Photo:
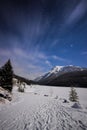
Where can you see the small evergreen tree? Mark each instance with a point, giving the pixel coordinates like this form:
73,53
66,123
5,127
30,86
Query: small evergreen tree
21,88
7,76
73,95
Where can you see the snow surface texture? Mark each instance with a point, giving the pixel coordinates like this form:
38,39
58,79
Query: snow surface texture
42,108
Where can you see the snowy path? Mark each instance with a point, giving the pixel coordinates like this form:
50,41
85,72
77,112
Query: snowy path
35,112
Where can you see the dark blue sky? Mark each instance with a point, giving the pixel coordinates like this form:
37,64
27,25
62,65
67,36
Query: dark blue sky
40,34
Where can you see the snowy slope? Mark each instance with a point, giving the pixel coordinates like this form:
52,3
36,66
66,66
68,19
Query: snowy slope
58,70
54,70
34,111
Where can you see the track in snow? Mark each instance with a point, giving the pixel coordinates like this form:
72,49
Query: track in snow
35,112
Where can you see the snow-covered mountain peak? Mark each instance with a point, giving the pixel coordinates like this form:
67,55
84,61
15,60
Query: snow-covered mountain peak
56,69
71,68
67,68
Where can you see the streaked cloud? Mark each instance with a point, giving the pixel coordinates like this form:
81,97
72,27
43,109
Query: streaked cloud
33,34
60,59
20,52
77,13
26,63
4,52
84,53
48,63
55,42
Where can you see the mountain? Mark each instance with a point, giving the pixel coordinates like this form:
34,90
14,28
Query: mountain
75,78
64,76
58,70
22,79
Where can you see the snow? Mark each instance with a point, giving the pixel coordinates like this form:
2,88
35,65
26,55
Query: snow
58,70
34,111
76,105
68,68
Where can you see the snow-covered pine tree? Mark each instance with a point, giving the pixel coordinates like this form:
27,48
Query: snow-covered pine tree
73,95
7,76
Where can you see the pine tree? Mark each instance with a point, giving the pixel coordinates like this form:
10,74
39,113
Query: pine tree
7,76
73,95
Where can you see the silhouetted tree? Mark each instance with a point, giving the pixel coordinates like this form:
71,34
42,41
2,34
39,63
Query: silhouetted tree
6,76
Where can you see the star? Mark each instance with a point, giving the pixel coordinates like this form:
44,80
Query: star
71,45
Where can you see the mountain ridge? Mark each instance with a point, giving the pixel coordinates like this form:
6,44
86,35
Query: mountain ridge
57,70
60,75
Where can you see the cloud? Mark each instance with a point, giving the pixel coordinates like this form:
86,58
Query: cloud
27,29
20,52
60,59
42,56
32,66
25,63
33,62
48,63
55,57
35,67
84,53
77,13
29,71
33,54
54,43
5,52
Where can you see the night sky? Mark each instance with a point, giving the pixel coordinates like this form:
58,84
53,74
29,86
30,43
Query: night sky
40,34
